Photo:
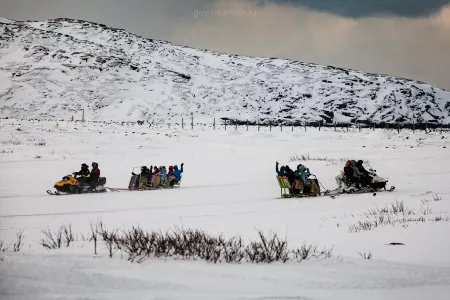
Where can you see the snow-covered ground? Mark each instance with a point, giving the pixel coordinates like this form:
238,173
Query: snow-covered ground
228,187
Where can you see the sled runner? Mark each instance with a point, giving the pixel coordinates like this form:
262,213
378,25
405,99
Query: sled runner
71,185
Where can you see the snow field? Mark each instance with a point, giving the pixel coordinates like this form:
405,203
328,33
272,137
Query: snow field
228,187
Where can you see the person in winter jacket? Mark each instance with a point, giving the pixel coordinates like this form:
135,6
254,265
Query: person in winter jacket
361,168
177,173
95,174
156,180
367,179
163,174
302,173
350,174
286,172
291,178
170,177
355,169
281,171
84,174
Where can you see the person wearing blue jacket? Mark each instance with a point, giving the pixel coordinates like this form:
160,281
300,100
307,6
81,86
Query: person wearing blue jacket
303,173
177,174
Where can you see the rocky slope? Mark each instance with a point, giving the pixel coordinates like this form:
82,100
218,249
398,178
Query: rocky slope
53,69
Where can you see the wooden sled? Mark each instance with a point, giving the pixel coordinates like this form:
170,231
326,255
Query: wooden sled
285,186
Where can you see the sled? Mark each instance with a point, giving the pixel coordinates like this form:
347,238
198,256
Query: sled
140,183
284,184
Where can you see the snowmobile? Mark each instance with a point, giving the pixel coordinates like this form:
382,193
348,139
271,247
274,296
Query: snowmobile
376,184
70,184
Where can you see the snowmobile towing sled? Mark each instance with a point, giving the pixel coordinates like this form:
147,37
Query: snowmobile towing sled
345,186
72,185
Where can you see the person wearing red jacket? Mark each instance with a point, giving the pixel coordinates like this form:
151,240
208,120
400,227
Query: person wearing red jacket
95,173
156,180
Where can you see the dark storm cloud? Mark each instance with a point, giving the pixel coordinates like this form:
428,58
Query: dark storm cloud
364,8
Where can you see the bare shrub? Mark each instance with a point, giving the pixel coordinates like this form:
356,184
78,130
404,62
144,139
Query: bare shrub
93,236
68,235
3,248
11,140
437,198
365,255
303,157
110,238
267,249
39,142
52,240
196,244
394,214
6,151
307,251
18,243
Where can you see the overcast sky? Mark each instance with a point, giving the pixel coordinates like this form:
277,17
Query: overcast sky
407,38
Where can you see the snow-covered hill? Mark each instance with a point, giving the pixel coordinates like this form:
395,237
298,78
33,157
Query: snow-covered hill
53,69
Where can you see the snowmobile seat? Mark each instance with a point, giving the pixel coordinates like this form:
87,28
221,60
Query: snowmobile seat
101,181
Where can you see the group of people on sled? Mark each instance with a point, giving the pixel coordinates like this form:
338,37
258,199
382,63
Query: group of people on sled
356,174
155,177
86,177
299,180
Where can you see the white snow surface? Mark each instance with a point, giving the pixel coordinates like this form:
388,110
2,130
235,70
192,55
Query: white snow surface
228,187
60,66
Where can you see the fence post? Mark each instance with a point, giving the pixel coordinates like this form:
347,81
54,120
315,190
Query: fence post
235,125
348,125
225,124
426,125
373,126
292,127
398,127
442,124
247,124
270,125
192,122
359,126
305,125
414,127
334,125
320,123
281,127
258,124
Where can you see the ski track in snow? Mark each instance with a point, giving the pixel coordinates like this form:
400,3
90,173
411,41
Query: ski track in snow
228,187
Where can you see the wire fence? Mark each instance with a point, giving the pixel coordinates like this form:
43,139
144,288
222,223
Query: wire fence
230,124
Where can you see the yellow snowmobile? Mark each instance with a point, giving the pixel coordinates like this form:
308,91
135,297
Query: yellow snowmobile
70,185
